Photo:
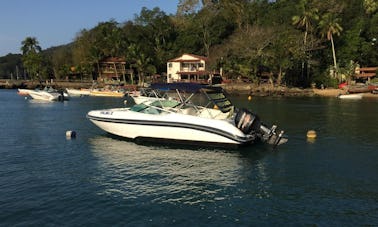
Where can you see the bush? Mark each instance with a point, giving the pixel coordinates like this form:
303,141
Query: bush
327,81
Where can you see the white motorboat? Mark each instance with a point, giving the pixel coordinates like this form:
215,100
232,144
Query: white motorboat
213,120
146,94
78,92
24,92
351,96
48,94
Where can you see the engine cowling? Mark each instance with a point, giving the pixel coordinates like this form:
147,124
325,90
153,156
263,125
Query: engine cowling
247,121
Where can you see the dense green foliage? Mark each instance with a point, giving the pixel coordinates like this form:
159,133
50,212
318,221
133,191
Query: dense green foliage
295,42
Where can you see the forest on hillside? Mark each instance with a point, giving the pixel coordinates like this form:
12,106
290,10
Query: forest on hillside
292,42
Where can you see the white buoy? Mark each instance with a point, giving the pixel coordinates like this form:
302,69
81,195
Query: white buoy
70,134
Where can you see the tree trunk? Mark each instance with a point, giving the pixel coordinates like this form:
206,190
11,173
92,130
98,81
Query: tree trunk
334,57
279,78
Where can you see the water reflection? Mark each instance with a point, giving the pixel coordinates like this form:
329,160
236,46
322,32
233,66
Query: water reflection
171,175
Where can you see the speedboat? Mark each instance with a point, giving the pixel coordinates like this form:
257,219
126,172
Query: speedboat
23,92
48,94
146,94
204,116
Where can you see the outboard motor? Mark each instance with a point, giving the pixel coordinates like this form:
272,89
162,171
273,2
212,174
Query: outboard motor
250,123
247,121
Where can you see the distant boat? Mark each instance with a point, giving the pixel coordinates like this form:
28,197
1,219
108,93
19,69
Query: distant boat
47,94
78,92
107,93
351,96
24,92
146,94
355,89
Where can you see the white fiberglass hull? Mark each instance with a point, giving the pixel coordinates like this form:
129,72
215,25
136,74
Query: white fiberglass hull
169,126
78,92
351,96
45,96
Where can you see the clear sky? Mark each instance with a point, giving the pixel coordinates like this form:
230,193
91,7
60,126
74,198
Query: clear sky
56,22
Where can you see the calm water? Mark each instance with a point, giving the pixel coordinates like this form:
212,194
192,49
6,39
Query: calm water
46,179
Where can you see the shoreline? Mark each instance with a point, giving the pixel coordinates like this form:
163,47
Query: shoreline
282,91
234,89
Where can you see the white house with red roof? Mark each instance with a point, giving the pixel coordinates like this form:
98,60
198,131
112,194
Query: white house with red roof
187,68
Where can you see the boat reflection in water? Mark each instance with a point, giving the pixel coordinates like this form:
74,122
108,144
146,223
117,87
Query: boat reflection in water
174,175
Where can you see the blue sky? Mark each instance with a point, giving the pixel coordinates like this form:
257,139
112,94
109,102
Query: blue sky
56,22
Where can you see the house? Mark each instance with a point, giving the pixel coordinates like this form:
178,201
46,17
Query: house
112,68
187,68
365,73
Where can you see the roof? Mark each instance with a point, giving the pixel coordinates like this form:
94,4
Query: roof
113,59
181,59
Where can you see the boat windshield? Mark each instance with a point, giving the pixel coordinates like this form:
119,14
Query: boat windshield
155,107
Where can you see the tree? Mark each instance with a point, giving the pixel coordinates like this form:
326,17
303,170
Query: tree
158,32
309,15
330,25
141,62
371,6
31,57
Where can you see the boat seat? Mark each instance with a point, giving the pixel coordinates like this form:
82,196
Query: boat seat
189,111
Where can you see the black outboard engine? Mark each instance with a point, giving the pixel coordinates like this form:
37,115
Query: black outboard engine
247,121
250,123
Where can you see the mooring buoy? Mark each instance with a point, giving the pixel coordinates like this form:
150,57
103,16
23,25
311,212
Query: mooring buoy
311,134
70,134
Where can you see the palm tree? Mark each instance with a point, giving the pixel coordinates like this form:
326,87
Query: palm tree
30,44
330,25
305,20
308,15
140,61
31,59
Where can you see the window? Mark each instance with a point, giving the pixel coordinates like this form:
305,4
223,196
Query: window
170,65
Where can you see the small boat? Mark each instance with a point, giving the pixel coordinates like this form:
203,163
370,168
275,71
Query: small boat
206,116
78,92
107,93
351,96
146,94
48,94
24,92
358,89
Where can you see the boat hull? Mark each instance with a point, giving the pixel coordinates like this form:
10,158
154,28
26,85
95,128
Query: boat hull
24,92
351,96
170,127
45,96
78,92
107,94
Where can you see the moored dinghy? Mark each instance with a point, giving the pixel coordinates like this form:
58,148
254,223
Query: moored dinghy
351,96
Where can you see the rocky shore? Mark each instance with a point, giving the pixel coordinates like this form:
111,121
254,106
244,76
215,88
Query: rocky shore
234,88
